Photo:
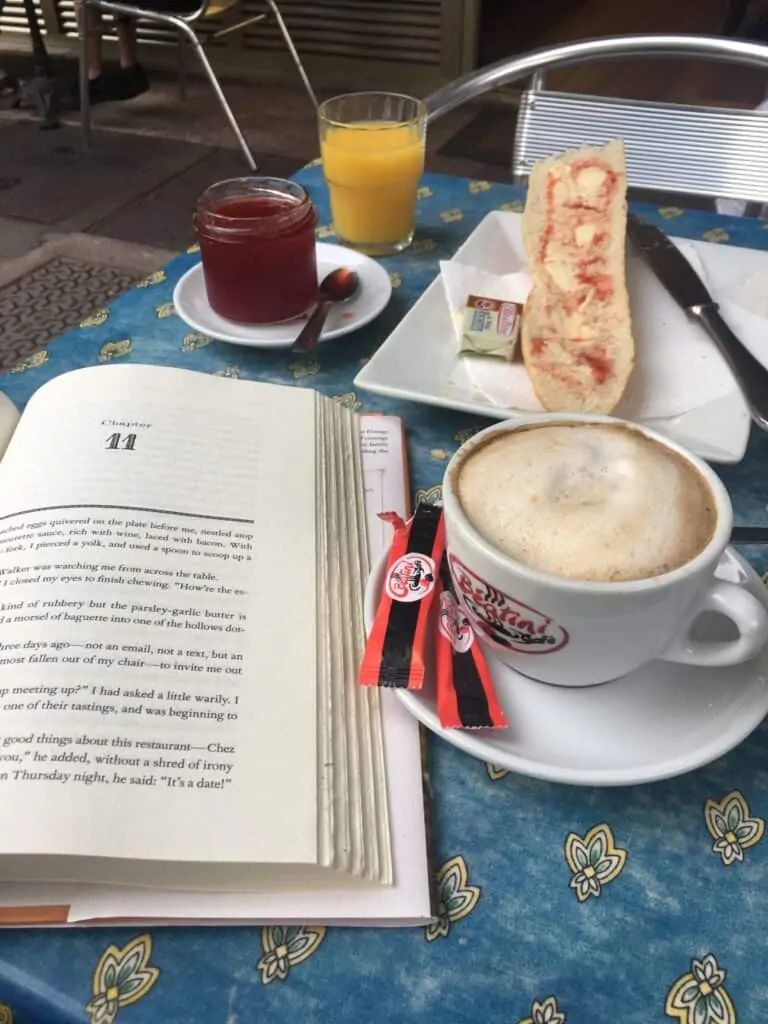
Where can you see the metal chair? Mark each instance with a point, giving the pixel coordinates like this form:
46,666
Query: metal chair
42,91
184,26
706,151
737,11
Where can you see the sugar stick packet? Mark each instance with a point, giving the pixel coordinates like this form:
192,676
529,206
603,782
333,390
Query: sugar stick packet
394,653
465,694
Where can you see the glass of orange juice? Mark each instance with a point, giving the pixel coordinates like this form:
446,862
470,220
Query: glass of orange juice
372,148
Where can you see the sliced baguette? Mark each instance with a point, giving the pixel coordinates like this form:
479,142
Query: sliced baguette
576,334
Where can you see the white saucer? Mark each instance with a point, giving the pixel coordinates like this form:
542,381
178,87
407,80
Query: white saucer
660,721
191,302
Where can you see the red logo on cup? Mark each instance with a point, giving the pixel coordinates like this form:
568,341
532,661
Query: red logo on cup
454,624
504,620
411,578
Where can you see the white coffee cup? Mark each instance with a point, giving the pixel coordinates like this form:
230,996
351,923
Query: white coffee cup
578,633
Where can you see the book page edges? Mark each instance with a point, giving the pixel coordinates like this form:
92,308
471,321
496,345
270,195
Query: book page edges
184,876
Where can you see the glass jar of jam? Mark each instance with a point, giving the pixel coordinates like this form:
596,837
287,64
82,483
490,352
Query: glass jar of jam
257,243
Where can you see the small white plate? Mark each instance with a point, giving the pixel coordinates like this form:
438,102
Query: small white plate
191,302
419,360
660,721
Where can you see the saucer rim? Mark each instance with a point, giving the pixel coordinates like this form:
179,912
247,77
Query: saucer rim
250,339
475,744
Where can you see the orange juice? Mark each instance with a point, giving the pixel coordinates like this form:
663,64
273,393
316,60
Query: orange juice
372,169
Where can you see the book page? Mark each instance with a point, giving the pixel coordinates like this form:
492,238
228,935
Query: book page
155,526
9,418
406,902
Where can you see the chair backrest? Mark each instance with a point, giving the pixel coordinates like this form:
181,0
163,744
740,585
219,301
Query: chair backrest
670,147
708,151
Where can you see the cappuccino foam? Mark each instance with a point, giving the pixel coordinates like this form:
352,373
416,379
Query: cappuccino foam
597,502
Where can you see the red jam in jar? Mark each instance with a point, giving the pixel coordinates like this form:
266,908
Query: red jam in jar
257,243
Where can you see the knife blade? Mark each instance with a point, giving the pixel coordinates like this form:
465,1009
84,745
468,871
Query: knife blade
749,535
687,289
668,263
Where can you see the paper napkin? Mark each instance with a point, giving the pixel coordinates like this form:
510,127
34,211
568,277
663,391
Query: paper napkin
461,280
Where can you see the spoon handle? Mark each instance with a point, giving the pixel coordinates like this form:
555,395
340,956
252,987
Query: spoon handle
310,332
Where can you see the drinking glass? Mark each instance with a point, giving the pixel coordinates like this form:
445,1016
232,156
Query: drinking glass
372,148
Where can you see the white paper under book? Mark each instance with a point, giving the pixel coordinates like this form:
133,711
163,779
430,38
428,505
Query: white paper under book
182,560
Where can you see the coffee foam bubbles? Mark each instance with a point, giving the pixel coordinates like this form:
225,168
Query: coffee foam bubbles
587,501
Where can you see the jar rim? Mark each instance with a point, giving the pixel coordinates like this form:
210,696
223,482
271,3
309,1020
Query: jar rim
231,189
294,207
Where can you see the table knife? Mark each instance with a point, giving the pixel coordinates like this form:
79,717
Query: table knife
689,291
749,535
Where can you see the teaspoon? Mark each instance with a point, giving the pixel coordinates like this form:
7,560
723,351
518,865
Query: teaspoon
338,286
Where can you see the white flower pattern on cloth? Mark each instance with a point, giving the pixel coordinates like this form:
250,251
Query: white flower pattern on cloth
122,976
96,319
457,897
546,1012
192,342
348,401
285,947
157,278
115,349
594,861
699,996
732,827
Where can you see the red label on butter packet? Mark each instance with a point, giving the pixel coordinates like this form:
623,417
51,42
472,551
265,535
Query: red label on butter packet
394,653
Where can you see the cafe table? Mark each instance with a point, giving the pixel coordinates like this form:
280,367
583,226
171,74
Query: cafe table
557,904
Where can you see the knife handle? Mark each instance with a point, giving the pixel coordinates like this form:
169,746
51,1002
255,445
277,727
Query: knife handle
749,535
751,375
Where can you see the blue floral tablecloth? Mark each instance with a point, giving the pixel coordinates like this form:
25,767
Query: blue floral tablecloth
559,905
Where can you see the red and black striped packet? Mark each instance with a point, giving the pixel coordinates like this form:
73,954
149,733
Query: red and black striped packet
394,653
465,694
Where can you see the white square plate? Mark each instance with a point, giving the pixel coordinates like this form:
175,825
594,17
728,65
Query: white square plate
419,360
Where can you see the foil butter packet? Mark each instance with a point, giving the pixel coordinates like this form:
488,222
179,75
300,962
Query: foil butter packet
490,327
486,307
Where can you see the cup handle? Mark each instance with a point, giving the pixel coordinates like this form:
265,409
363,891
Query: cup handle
744,610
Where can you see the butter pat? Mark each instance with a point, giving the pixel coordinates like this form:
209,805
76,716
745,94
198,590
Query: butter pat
464,284
490,327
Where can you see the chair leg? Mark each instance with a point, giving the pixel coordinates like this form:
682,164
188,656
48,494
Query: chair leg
202,56
737,10
85,103
293,51
181,68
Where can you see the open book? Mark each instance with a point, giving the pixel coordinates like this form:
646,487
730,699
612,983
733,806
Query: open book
182,559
